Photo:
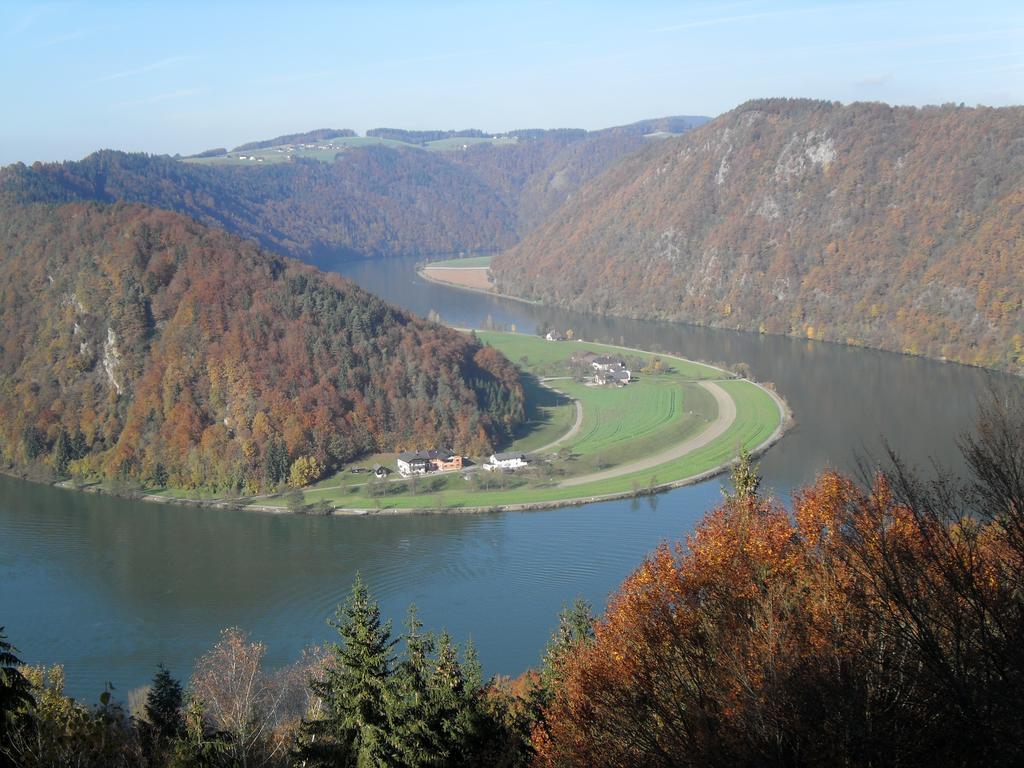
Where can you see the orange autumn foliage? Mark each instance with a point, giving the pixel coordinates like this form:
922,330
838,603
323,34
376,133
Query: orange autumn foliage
858,628
153,348
866,224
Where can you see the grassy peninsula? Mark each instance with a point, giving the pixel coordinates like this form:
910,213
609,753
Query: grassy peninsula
677,422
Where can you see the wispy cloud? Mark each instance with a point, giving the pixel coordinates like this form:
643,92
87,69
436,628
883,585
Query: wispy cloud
26,21
742,18
968,59
723,20
68,37
151,67
182,93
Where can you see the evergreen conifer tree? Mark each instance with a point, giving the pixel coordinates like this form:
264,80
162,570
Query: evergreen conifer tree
351,726
197,747
471,668
412,731
15,692
451,711
62,453
164,705
575,625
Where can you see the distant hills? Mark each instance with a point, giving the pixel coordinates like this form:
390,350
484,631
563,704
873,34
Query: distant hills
393,199
138,343
890,227
372,202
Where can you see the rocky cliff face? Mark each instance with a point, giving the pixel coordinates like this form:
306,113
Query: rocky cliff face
137,343
867,224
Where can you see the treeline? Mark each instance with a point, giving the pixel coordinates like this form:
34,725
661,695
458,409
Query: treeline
138,344
320,134
422,137
370,699
872,624
889,227
215,152
877,625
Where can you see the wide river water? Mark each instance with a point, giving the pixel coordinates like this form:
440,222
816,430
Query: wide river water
110,588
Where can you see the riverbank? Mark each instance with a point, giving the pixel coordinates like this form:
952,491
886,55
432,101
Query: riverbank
535,506
474,279
614,443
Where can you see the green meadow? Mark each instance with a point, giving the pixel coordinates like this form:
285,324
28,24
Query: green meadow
620,427
278,154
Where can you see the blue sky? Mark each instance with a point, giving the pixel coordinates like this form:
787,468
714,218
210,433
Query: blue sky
182,77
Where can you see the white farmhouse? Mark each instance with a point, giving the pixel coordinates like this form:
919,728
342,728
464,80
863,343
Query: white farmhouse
508,460
413,463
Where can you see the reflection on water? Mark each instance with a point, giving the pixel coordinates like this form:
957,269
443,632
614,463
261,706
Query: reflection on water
112,587
844,398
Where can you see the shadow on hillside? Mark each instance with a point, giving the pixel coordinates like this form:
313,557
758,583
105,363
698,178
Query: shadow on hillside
538,398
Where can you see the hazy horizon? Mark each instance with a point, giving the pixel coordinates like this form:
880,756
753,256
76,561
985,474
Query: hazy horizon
180,79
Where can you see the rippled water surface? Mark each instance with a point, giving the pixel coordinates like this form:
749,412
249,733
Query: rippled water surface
110,587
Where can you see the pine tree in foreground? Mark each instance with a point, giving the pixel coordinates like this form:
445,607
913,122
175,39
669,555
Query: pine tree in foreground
164,705
15,693
412,733
350,726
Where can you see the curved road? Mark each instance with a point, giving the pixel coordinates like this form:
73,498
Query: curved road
726,416
572,430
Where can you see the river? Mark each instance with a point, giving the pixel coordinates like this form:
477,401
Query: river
110,587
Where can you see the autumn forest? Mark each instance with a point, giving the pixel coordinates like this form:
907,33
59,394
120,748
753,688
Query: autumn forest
139,344
164,325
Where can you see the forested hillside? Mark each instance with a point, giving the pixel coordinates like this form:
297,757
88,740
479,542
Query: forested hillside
368,202
545,168
139,343
373,201
898,228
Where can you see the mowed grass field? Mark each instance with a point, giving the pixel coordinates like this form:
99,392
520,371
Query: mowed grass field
624,424
542,356
620,426
339,144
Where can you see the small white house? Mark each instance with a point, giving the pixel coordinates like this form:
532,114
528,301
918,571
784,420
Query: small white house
508,460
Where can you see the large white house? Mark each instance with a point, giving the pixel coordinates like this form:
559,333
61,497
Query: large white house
413,463
508,460
421,462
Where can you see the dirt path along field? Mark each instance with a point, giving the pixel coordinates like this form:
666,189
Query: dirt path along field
726,416
573,430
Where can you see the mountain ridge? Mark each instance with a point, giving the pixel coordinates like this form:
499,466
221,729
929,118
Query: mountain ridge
138,343
891,227
370,201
